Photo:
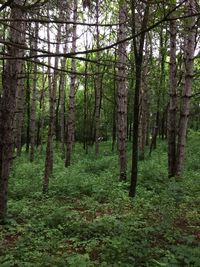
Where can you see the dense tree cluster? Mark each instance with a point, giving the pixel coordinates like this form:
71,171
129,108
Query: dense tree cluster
88,71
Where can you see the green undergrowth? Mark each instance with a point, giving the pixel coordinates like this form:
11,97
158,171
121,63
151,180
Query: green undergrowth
87,218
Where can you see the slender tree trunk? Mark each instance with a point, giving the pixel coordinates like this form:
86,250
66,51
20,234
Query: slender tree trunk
85,124
62,103
189,49
19,111
173,102
71,109
97,86
114,126
63,83
42,118
33,101
57,115
138,65
143,112
12,72
28,108
52,98
122,94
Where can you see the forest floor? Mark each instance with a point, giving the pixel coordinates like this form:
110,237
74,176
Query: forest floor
87,219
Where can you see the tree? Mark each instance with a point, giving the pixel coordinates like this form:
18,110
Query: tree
33,99
122,92
12,73
52,98
189,49
138,44
173,101
71,108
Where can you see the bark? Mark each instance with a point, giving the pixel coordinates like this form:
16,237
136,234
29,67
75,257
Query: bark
114,126
71,108
62,92
19,111
172,102
122,95
11,75
138,51
28,108
62,106
189,49
143,112
51,131
97,86
33,101
85,121
57,113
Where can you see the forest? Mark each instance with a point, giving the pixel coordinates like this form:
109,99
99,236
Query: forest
99,133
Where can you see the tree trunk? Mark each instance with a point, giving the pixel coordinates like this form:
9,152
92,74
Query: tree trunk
122,94
52,98
28,108
97,85
85,120
19,111
172,102
71,109
143,112
138,66
114,126
189,48
33,101
12,72
62,86
62,103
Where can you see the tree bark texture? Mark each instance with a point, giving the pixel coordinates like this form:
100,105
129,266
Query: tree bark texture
189,49
71,108
19,113
172,102
28,108
122,94
143,112
97,83
12,73
51,131
33,100
138,52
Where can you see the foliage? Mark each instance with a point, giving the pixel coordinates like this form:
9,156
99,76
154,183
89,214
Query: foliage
88,220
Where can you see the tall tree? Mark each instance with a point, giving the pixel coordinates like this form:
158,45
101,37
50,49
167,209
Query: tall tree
52,98
172,101
19,108
138,44
189,49
122,92
12,73
71,108
97,83
33,98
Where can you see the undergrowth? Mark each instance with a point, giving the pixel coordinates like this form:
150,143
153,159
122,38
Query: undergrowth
87,218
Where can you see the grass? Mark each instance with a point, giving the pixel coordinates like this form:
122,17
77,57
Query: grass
87,219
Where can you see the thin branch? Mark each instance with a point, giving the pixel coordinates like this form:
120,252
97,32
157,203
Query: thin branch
57,21
71,54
